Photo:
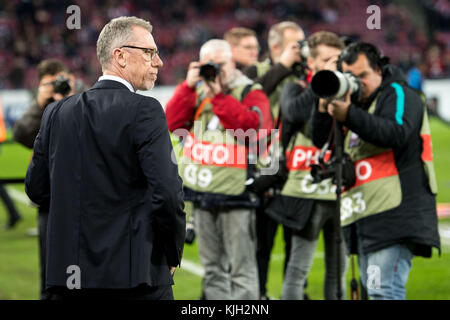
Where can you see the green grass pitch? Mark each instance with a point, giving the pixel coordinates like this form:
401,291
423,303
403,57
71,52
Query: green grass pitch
19,272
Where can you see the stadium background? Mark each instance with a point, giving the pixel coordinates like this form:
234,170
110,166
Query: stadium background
414,33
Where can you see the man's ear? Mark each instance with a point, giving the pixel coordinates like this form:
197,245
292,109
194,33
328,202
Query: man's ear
119,57
275,50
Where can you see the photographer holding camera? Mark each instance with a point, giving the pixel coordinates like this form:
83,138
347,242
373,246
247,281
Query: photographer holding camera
391,209
55,83
281,67
305,206
214,98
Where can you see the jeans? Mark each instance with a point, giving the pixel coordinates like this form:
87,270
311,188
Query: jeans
384,273
227,246
302,255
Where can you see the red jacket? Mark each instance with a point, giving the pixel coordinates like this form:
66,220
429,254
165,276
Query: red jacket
232,113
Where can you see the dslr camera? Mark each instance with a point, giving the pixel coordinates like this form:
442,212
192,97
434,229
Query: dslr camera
209,71
325,170
61,85
334,85
299,68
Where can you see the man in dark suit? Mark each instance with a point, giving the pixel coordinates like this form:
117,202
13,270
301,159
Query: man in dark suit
102,161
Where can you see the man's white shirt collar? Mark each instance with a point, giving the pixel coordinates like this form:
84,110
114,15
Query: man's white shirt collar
119,79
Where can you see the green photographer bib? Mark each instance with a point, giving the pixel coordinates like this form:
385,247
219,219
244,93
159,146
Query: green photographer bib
261,69
213,161
377,188
299,184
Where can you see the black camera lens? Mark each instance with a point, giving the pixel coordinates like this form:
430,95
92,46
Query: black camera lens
209,71
61,85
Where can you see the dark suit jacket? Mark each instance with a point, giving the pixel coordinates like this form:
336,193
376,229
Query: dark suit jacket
102,159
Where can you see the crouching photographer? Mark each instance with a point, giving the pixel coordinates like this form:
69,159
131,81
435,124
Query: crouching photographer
215,99
305,206
391,209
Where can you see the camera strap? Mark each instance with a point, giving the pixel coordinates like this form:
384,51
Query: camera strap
199,110
327,144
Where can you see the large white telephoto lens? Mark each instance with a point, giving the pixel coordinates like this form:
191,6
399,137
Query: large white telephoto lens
334,84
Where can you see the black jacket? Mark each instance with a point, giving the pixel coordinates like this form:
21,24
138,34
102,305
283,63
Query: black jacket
102,159
414,222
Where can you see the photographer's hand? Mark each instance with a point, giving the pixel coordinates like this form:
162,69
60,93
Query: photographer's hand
212,88
290,55
331,64
193,76
338,109
45,94
323,105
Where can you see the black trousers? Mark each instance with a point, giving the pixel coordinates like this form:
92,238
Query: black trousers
10,207
142,292
266,229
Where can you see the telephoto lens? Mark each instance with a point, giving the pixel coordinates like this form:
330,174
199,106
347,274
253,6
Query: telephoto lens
334,84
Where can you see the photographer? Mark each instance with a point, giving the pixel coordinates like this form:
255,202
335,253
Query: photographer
307,207
283,64
244,46
391,210
54,85
214,98
281,67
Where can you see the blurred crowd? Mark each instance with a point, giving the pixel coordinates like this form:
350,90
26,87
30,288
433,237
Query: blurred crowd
32,30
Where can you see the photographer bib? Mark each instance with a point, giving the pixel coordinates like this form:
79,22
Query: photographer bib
377,188
299,183
213,160
261,69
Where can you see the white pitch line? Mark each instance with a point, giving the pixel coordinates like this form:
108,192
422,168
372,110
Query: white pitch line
192,267
18,195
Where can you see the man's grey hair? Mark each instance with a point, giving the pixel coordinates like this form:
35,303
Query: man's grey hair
215,45
117,33
276,32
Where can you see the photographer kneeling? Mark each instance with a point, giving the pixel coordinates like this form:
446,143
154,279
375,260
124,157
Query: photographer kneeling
305,206
214,98
392,208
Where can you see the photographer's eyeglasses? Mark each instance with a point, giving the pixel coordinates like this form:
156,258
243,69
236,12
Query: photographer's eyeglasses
150,53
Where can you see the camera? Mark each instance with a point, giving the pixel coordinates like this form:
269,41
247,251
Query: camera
304,49
299,68
325,170
61,85
259,184
334,85
209,71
